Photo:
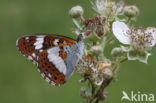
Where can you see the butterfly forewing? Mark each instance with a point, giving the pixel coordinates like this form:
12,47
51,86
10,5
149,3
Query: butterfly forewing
49,53
27,48
31,46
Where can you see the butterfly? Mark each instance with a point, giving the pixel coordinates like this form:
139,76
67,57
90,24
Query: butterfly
55,56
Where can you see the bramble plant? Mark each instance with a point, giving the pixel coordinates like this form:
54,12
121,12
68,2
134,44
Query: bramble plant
111,22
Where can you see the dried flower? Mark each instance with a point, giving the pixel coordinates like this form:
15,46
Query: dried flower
89,24
100,30
96,25
107,73
76,11
85,92
89,57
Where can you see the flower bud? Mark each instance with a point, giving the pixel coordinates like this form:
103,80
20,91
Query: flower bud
116,52
93,38
131,11
95,25
96,50
107,73
76,11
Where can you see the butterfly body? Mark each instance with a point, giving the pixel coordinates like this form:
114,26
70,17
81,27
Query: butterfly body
56,56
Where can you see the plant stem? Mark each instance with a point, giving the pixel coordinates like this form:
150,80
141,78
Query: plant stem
100,94
93,90
116,63
97,101
82,18
109,40
123,60
76,24
128,20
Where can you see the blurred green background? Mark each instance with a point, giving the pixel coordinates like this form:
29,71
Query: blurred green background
20,82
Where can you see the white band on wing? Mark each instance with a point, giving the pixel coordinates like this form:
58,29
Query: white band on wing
53,56
39,43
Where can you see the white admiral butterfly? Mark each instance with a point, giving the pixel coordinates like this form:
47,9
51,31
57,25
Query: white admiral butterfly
56,56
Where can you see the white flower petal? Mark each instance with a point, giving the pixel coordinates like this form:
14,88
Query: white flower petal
152,31
120,30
